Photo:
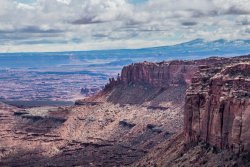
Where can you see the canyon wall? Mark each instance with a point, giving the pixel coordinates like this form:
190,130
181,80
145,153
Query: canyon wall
167,73
157,84
161,82
217,102
162,74
217,106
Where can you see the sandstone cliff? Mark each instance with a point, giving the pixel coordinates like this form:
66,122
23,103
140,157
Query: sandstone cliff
97,132
161,82
217,107
162,74
167,73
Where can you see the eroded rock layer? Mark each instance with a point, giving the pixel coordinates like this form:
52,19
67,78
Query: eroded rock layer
217,107
170,73
138,120
159,74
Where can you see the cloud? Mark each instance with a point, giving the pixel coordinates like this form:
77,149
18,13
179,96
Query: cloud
100,35
43,41
189,23
86,20
64,1
35,29
67,23
233,10
243,20
99,11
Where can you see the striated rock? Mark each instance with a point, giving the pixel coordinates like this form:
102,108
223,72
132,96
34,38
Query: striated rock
157,84
144,129
217,107
162,74
167,73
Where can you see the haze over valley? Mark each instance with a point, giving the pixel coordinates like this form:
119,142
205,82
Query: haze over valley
60,76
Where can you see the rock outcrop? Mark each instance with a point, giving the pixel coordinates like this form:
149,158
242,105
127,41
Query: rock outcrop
162,74
145,129
217,107
167,73
158,83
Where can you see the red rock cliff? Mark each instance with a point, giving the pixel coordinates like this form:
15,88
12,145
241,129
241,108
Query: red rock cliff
161,74
169,73
217,107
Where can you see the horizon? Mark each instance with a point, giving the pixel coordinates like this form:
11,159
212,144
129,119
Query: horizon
129,49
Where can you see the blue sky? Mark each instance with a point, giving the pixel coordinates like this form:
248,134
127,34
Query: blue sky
58,25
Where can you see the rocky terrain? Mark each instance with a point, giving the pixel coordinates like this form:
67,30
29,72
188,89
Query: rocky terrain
216,126
100,135
138,120
217,108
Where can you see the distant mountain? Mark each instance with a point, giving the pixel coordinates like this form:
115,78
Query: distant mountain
194,49
200,48
54,72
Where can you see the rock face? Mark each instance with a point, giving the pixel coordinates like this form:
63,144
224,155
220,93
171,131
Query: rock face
217,107
162,74
167,73
145,129
158,83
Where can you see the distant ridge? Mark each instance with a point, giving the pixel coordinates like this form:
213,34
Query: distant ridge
196,46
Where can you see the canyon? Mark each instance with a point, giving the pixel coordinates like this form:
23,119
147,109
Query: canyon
42,77
217,108
172,113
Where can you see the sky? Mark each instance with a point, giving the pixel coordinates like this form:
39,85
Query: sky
70,25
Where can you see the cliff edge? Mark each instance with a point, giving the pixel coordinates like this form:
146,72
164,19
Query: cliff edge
217,107
138,120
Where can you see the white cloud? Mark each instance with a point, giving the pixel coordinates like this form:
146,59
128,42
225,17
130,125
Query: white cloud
64,1
95,24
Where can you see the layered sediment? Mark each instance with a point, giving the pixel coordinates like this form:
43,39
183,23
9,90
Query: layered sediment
168,73
162,74
217,107
137,120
